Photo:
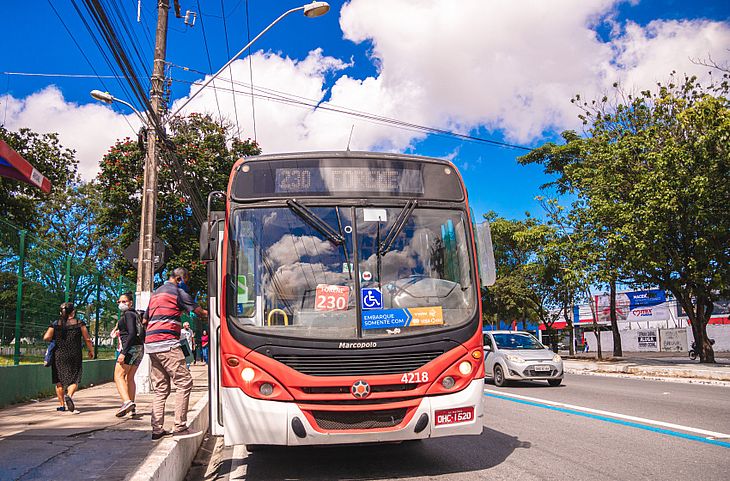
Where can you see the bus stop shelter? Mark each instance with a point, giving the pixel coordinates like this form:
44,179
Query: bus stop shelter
13,166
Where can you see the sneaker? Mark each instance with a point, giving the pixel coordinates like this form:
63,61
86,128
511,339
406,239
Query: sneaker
61,408
127,407
69,403
185,433
160,435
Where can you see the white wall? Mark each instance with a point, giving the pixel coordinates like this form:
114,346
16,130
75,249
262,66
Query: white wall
719,332
668,340
636,340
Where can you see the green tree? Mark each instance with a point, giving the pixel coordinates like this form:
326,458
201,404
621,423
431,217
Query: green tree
652,170
206,152
528,274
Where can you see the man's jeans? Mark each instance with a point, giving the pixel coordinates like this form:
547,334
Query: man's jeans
167,366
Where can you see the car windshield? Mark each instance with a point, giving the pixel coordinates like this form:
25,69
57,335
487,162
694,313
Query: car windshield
514,341
292,276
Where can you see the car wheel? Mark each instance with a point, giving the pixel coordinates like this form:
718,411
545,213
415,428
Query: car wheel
499,379
555,382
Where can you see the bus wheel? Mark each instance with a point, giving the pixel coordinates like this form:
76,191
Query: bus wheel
499,379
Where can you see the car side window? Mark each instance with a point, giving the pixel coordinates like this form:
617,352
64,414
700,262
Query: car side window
487,340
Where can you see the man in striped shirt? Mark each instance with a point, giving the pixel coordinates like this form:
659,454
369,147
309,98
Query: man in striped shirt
162,343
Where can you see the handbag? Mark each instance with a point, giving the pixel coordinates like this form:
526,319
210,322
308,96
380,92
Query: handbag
50,351
185,348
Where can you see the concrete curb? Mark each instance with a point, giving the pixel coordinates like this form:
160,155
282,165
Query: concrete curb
171,458
653,371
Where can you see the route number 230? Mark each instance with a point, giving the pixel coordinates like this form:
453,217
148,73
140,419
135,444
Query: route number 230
414,377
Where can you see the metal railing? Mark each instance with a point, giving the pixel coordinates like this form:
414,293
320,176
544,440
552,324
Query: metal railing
35,278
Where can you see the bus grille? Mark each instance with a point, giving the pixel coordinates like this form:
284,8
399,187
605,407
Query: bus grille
366,364
338,420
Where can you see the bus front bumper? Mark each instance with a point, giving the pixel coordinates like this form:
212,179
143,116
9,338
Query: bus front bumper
250,421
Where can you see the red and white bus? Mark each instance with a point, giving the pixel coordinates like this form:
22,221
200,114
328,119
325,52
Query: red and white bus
345,301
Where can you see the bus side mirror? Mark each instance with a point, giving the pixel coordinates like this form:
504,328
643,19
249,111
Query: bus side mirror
209,232
485,254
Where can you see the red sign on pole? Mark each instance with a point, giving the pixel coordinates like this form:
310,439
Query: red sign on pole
13,166
332,298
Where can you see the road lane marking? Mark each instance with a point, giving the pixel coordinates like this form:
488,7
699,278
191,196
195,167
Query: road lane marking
710,437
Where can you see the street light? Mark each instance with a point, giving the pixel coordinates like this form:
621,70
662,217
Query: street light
310,10
108,98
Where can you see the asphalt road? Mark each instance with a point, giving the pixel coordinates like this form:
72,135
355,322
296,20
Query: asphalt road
603,428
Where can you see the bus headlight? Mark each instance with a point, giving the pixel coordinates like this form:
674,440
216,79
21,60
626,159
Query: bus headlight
266,389
247,374
448,382
465,368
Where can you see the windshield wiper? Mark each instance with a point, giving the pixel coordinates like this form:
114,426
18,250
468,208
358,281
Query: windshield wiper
398,225
315,221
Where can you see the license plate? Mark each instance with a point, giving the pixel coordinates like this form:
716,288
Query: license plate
454,416
542,368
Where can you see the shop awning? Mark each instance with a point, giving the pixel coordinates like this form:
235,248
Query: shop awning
556,325
13,166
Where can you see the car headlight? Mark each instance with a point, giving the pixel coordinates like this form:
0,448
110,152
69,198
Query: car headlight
556,358
513,358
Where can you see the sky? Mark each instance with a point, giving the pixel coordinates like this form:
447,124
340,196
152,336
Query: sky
501,70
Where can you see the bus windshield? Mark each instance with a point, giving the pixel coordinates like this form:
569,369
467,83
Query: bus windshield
294,269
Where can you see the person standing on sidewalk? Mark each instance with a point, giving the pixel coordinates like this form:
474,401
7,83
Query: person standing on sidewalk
204,339
66,370
162,343
188,335
130,354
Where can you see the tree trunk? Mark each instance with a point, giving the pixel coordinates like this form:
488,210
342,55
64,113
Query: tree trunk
592,305
571,332
699,315
617,349
704,311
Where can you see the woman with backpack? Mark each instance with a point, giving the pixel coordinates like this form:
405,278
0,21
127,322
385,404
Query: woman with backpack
66,367
131,336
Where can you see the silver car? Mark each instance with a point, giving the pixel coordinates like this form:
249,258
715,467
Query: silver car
517,356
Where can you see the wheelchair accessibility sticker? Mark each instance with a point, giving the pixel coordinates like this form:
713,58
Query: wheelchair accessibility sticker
372,298
411,317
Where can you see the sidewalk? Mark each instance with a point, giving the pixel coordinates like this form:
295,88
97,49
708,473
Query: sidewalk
654,364
39,443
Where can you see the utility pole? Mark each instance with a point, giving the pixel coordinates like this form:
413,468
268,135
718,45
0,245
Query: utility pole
146,264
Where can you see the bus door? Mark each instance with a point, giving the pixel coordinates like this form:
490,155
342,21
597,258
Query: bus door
211,250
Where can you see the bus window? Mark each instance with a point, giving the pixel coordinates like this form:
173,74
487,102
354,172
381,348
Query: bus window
295,277
424,274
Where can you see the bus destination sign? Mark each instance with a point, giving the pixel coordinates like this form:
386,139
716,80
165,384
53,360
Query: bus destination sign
348,179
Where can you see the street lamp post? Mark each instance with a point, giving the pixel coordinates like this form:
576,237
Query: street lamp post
108,98
145,267
310,10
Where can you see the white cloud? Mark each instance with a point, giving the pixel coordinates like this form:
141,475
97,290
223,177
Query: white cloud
89,129
514,65
507,66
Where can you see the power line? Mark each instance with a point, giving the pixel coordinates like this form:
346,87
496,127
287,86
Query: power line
83,53
230,69
289,99
250,74
210,64
62,75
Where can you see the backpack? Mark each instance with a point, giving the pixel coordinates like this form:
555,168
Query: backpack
139,325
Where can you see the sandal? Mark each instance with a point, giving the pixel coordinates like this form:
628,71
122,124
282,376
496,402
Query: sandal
69,403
